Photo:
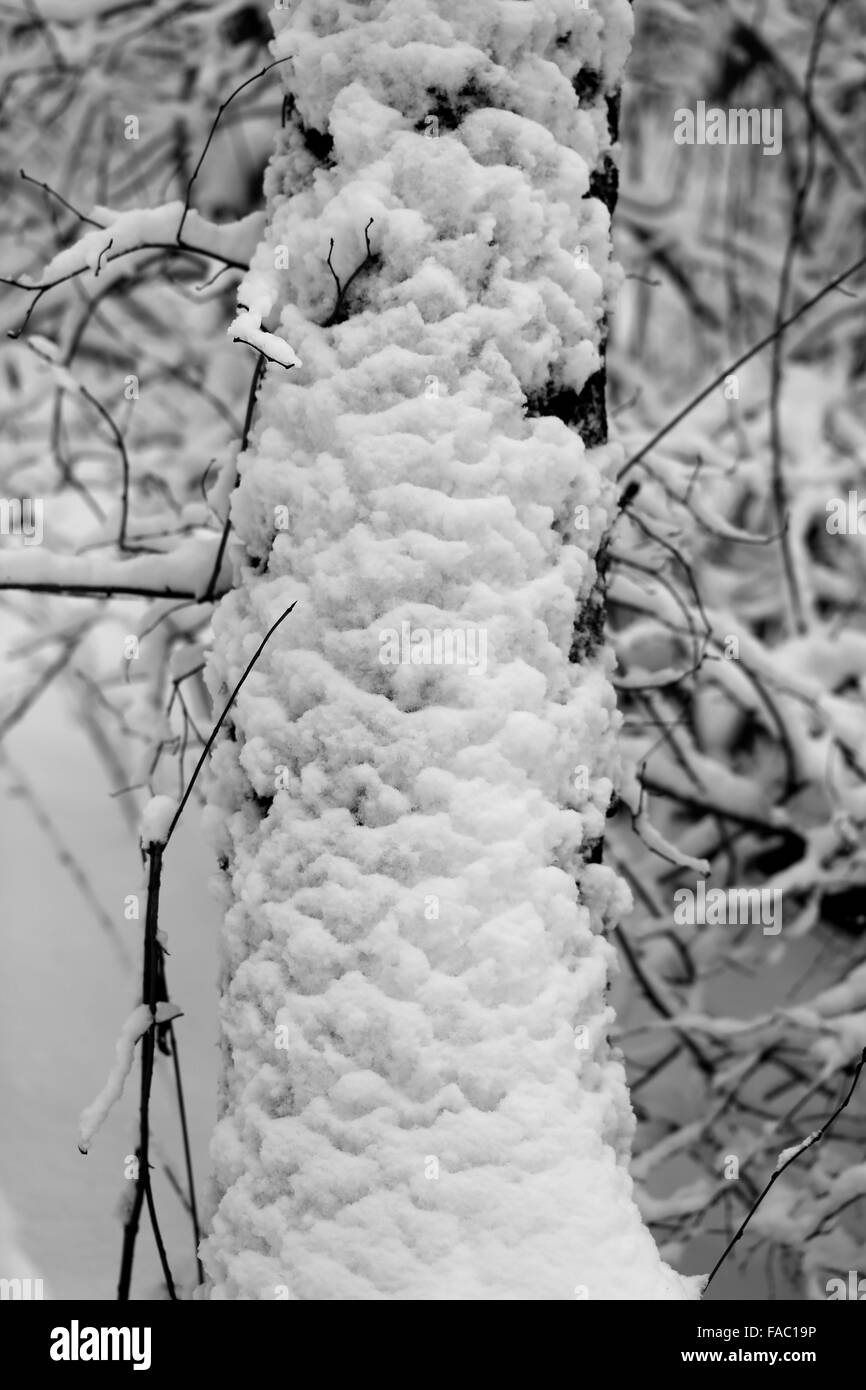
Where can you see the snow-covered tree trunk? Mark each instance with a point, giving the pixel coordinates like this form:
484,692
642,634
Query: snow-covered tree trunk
418,1097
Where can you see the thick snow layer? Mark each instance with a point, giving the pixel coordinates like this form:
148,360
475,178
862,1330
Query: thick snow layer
120,232
419,1100
246,327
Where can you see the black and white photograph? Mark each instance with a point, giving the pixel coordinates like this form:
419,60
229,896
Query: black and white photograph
433,701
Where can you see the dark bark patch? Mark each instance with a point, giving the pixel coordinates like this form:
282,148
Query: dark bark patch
589,624
450,108
587,85
613,107
319,143
604,183
561,401
593,851
584,411
592,410
262,803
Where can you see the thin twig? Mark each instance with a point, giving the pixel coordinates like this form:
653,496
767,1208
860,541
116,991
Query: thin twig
149,996
258,373
218,725
779,490
99,590
777,1172
216,120
734,366
60,198
151,976
342,290
187,1154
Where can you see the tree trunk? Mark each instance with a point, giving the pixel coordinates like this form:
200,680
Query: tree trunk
418,1097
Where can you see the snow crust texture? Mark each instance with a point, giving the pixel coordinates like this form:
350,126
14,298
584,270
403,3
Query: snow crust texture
419,1101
